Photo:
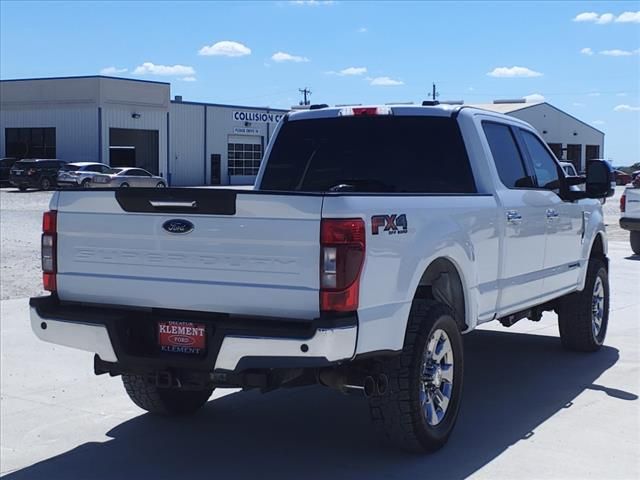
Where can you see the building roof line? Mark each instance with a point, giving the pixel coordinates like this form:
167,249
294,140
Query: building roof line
576,119
188,102
80,77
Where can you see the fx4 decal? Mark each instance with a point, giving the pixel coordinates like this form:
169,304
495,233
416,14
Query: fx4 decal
394,224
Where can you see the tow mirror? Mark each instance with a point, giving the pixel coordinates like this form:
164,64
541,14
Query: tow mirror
600,179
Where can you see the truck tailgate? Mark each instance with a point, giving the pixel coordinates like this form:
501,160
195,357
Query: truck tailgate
248,253
633,203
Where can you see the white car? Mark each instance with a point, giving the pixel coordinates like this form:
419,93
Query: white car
80,174
374,238
127,177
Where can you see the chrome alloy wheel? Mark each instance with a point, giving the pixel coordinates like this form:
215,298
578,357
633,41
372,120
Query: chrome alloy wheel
436,384
597,307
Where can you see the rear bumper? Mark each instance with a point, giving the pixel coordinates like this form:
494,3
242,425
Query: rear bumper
23,182
628,223
127,338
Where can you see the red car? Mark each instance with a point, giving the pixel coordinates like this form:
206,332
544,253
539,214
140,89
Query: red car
622,178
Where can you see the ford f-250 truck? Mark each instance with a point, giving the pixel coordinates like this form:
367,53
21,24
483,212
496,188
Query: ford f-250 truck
630,216
374,238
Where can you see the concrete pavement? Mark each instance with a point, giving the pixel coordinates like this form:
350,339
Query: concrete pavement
530,410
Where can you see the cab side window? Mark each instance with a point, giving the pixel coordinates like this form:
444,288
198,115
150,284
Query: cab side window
506,155
544,165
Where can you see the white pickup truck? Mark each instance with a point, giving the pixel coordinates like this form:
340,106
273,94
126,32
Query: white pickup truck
374,238
630,216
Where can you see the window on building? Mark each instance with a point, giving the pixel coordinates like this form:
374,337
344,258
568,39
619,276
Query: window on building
30,142
244,158
574,155
506,156
544,165
592,151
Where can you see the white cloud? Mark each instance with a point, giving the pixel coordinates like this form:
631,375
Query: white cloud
625,108
578,104
384,82
513,72
621,94
349,71
287,57
616,52
593,94
628,17
605,18
598,122
188,79
148,68
362,30
534,97
586,51
225,48
586,17
112,71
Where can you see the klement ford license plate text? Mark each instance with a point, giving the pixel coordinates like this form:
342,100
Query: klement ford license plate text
182,337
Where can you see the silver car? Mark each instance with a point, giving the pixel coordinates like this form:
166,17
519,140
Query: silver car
128,177
80,174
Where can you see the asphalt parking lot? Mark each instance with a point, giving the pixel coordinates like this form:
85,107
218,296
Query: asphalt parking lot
530,409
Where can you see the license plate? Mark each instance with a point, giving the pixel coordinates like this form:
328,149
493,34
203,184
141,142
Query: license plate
182,337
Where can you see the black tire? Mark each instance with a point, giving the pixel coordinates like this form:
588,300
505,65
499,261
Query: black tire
160,185
634,238
575,316
399,414
85,183
163,401
45,184
22,188
124,185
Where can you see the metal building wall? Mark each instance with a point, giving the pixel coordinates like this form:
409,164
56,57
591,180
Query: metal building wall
561,128
187,157
76,128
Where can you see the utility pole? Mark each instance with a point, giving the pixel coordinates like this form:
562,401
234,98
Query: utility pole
306,93
434,94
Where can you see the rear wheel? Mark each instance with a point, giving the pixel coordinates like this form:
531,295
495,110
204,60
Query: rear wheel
583,316
160,185
22,188
635,242
124,185
420,408
163,401
85,183
45,184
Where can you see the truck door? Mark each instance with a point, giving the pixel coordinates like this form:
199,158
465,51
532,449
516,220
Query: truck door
563,219
522,225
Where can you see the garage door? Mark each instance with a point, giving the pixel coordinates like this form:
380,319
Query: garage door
244,154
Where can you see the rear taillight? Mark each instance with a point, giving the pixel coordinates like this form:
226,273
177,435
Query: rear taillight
623,202
49,260
31,171
342,250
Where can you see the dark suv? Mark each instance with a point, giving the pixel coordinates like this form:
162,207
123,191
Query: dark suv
35,173
5,167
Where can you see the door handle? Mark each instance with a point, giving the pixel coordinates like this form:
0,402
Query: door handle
551,214
514,217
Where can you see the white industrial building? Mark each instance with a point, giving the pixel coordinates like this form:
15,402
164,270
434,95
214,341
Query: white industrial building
571,139
127,122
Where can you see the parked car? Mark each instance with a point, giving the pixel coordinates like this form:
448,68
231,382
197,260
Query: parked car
569,169
80,174
357,262
5,168
630,216
35,173
622,178
127,177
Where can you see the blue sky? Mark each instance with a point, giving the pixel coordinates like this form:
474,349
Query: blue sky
583,57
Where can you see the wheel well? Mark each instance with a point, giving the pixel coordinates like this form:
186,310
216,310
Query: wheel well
597,249
441,282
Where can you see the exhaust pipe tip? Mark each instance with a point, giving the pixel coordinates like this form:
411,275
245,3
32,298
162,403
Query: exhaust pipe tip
382,384
370,387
